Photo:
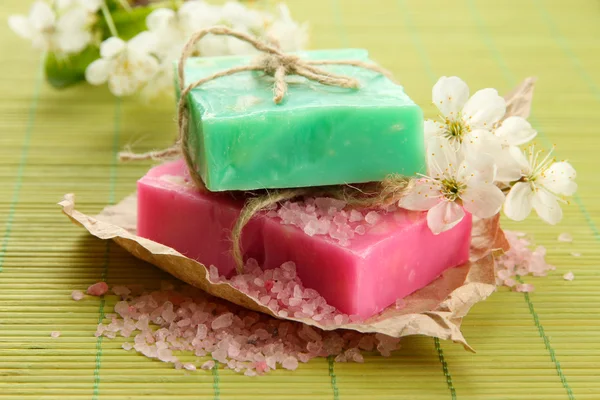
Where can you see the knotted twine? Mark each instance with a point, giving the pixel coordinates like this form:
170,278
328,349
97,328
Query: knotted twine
274,62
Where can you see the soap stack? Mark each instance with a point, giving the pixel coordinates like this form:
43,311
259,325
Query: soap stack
360,261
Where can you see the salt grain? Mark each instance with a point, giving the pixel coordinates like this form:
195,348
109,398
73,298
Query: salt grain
400,304
54,334
372,217
574,254
524,287
98,289
290,363
122,291
77,295
210,364
223,321
569,276
355,216
565,237
189,366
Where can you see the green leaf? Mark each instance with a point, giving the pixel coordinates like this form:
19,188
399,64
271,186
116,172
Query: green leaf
62,72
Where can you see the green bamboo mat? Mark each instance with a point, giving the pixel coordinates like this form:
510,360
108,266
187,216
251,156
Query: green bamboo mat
545,345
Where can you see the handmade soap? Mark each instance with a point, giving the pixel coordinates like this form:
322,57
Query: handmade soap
359,261
318,135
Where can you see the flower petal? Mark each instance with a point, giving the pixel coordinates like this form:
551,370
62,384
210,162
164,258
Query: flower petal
91,5
20,25
442,158
480,141
144,42
477,169
483,200
144,67
560,179
122,85
517,155
518,203
444,216
159,19
450,95
422,197
433,128
111,47
484,109
508,169
73,21
97,72
515,131
546,206
70,42
41,16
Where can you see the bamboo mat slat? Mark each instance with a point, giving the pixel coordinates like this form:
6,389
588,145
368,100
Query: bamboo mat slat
543,345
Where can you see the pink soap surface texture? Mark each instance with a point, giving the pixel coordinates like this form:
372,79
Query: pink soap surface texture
396,255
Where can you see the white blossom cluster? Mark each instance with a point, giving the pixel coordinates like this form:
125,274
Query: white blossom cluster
145,63
474,158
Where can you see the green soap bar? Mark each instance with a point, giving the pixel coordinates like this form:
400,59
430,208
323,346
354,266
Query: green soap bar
319,135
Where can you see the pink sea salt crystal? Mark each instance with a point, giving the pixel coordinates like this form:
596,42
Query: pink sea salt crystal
189,366
222,321
372,217
210,364
127,346
370,270
261,367
54,334
165,354
360,230
386,344
565,237
400,304
355,216
122,291
524,287
97,289
77,295
290,363
569,276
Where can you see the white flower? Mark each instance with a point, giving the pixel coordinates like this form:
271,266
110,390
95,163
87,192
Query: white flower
65,34
173,28
454,183
541,186
466,123
126,66
240,17
290,35
513,132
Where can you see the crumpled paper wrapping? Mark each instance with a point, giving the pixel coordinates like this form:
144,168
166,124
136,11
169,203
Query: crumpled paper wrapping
436,310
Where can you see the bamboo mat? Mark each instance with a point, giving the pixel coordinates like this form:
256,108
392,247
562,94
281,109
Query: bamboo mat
544,345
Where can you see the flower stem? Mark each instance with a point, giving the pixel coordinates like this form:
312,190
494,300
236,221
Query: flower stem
109,20
125,5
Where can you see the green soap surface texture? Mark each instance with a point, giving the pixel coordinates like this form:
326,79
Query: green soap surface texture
319,135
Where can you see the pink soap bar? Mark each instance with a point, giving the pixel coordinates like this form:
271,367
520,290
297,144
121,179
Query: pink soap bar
389,256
